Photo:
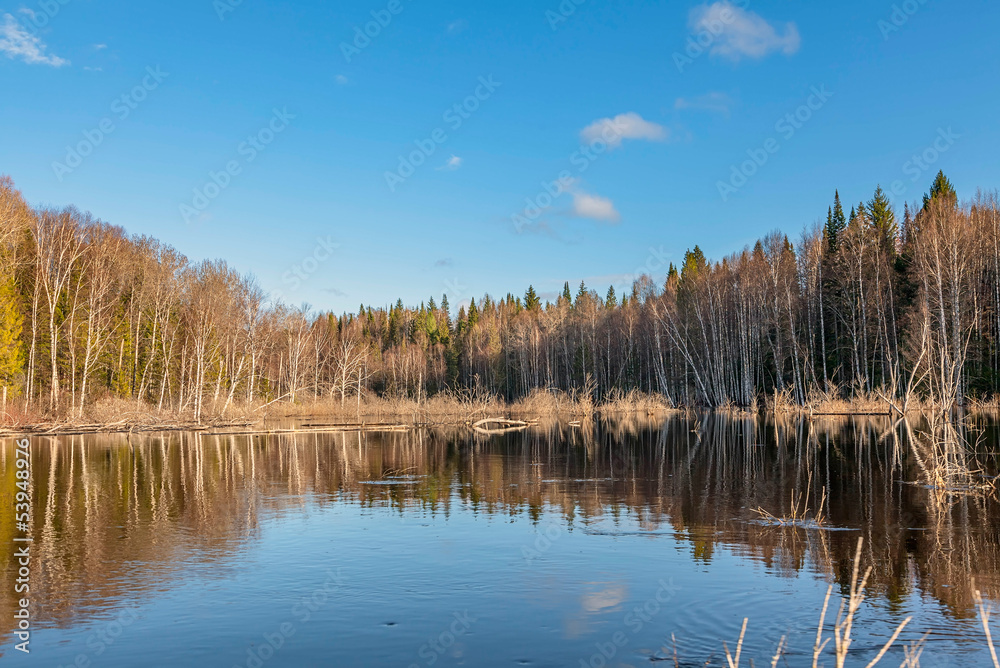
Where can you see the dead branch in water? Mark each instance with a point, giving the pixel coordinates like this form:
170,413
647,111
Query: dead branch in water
506,427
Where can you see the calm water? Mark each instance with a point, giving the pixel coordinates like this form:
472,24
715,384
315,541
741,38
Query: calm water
439,548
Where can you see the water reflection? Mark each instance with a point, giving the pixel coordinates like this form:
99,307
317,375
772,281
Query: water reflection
118,521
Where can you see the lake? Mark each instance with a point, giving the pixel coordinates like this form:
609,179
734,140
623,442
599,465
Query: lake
610,544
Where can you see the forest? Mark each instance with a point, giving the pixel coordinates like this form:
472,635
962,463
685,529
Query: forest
871,303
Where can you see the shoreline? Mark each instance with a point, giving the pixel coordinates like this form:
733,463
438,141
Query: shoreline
380,417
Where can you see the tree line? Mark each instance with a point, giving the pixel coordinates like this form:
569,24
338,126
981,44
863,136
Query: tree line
863,304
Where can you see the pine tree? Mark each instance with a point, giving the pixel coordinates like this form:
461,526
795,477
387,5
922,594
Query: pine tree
611,301
581,293
531,300
566,294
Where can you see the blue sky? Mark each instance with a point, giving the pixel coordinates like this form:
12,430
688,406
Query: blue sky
303,131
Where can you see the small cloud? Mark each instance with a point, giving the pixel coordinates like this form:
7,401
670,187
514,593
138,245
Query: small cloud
454,162
739,32
93,69
341,79
100,47
458,26
608,598
717,102
335,292
594,207
541,228
622,126
445,262
18,43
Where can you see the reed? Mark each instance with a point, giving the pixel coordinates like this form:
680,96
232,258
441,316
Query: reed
844,625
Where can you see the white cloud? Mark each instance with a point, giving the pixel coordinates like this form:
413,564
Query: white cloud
738,32
100,47
341,79
16,42
622,126
454,162
595,207
87,68
458,26
714,101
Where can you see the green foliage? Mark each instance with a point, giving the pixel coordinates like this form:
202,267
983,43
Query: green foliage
883,218
941,189
531,300
11,322
611,301
694,264
473,314
836,222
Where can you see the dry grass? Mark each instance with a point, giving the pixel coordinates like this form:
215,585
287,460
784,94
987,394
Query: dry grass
18,413
990,406
799,514
948,462
634,401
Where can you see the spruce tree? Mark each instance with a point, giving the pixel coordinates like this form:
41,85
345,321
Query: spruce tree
883,219
907,229
581,293
611,301
446,307
941,189
531,300
566,294
473,314
836,221
828,232
694,262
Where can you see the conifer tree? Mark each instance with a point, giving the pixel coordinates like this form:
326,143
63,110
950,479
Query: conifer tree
611,301
473,314
694,262
446,308
531,300
566,294
581,293
836,222
11,359
941,189
883,218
